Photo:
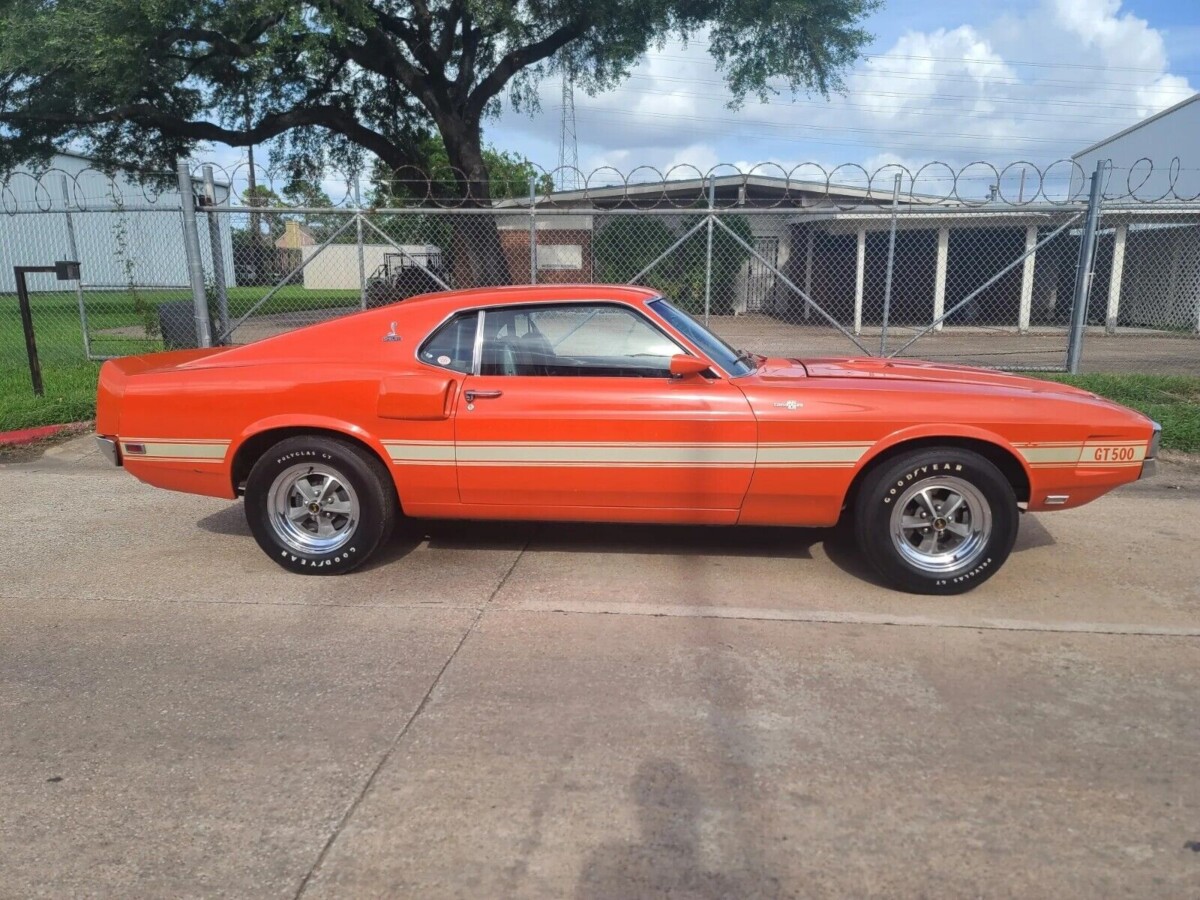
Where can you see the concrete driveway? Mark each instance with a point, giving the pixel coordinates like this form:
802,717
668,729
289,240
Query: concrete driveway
590,712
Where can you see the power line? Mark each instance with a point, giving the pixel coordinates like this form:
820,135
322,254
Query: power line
1024,101
888,145
973,59
836,128
1049,116
989,79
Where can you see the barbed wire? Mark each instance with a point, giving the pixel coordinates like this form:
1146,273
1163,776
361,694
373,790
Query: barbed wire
979,183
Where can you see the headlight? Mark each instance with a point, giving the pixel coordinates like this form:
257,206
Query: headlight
1152,453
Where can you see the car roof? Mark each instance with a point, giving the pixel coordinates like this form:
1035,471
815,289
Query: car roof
535,293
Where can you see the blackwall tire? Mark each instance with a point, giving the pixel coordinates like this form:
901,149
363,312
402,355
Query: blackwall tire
936,520
318,505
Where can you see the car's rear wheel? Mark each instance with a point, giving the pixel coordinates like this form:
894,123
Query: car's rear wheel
936,520
319,505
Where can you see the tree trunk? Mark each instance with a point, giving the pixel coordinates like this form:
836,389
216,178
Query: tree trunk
476,237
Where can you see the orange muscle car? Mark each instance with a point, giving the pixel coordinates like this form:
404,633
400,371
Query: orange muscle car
603,403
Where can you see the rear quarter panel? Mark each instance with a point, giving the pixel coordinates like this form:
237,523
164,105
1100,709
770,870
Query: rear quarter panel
338,377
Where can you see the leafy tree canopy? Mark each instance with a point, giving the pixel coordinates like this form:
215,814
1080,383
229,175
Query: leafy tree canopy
140,82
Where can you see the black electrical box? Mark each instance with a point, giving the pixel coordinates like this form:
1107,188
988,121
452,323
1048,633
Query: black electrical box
66,271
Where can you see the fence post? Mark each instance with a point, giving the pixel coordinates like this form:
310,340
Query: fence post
191,246
708,251
532,235
218,252
1083,274
887,284
358,240
73,253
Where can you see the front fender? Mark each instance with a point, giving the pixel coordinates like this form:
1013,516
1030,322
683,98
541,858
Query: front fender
942,430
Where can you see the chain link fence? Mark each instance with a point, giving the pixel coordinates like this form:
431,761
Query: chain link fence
957,266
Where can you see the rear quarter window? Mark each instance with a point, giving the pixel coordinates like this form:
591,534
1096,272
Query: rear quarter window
452,346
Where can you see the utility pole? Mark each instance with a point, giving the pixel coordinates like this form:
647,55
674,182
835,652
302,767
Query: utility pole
568,142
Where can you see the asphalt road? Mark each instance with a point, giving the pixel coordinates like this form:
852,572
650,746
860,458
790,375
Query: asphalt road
589,712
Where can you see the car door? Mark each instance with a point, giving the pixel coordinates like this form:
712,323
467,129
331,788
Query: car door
572,406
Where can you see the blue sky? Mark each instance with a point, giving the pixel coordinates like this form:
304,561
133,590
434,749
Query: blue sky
1033,81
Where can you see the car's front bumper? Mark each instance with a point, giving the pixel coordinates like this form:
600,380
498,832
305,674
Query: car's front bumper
110,448
1150,466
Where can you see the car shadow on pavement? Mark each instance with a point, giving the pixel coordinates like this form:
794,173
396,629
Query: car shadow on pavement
670,540
229,521
667,858
590,537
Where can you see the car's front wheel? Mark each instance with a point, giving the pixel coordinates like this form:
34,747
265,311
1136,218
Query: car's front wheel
936,520
319,505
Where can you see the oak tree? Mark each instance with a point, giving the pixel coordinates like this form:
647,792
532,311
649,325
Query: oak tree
140,82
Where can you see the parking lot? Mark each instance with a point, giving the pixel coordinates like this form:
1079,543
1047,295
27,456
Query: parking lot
495,710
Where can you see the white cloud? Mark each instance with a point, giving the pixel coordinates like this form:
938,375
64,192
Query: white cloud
1036,85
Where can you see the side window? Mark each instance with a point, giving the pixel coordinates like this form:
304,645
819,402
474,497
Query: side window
453,345
574,340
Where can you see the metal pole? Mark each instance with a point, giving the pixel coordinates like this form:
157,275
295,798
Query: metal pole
708,251
887,284
191,246
73,253
532,236
218,252
1083,274
35,367
358,238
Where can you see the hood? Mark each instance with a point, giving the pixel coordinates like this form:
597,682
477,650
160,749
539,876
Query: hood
917,370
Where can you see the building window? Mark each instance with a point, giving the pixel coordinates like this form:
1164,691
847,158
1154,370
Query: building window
559,257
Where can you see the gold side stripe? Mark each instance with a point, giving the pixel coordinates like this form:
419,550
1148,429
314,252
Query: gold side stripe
431,453
608,464
1110,454
772,455
190,451
1056,455
652,444
697,455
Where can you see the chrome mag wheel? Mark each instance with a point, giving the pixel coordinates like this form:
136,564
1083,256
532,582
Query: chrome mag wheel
313,508
941,524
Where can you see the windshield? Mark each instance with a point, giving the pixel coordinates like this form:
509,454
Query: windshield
713,347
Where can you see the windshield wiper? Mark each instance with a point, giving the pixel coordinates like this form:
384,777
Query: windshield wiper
747,357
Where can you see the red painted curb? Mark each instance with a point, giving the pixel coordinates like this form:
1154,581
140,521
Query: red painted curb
29,435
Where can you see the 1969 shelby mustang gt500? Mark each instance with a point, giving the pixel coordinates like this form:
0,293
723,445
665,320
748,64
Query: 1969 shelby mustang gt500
603,403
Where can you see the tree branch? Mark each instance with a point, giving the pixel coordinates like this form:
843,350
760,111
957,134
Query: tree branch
335,119
516,60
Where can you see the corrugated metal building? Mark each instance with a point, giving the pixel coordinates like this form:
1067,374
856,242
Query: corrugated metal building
127,231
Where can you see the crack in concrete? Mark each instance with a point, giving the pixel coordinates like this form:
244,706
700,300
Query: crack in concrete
821,617
387,754
801,617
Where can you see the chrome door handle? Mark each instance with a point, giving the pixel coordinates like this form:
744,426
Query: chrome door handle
472,396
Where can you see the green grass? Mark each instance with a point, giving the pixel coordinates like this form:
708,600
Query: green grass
70,396
1171,400
70,380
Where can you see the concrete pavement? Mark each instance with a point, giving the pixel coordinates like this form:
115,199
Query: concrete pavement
588,711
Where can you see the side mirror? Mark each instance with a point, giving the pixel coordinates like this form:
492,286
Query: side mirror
683,365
